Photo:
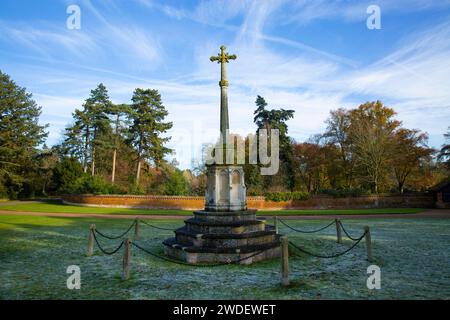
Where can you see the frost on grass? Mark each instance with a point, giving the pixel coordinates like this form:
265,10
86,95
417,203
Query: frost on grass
413,254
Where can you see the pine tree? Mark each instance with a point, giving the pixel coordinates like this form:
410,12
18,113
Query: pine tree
119,113
97,108
276,119
148,114
20,134
90,135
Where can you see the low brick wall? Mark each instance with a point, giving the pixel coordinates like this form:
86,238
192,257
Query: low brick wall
196,203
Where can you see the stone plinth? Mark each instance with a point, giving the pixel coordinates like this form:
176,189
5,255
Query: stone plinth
212,236
225,189
225,231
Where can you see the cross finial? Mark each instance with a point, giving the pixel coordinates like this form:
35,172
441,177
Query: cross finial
223,58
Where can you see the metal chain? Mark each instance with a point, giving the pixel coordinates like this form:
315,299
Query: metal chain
347,234
305,231
330,256
194,265
103,250
120,236
153,226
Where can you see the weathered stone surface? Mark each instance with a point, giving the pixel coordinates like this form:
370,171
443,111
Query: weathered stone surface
225,216
223,236
225,189
207,255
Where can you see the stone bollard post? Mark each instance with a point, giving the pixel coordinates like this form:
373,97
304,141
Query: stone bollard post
338,231
275,223
90,250
126,259
368,244
136,229
284,261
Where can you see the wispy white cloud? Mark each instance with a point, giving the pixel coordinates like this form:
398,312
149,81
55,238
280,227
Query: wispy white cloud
290,74
127,41
49,40
306,11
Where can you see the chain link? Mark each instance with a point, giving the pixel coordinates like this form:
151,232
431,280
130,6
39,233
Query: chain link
305,231
113,237
346,233
104,250
329,256
153,226
194,265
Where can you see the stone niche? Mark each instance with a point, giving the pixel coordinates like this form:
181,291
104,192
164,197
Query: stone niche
225,188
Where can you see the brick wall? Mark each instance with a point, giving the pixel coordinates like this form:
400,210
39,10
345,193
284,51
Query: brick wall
315,202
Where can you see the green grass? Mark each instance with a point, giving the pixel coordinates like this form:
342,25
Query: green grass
413,255
62,208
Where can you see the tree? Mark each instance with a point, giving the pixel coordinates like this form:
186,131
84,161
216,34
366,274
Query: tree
77,141
372,129
20,134
46,160
276,119
120,112
410,150
97,108
309,163
91,133
444,153
148,114
337,134
65,173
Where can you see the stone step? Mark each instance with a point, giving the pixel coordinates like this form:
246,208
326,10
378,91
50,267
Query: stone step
233,227
171,242
186,237
228,216
195,255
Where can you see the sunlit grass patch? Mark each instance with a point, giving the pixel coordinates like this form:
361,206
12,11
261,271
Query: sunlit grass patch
63,208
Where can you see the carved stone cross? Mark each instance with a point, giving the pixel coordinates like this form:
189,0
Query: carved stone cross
223,58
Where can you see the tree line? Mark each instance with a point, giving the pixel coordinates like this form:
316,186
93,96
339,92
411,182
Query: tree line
121,148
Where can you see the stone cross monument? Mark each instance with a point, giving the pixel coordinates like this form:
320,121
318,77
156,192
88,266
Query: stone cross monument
225,182
225,231
223,58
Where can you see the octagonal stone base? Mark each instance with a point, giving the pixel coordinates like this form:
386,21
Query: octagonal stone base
214,237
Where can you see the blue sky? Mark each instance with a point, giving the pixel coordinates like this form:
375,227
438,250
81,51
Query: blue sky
310,56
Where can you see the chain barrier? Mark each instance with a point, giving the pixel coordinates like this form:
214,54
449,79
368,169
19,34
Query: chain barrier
346,233
194,265
120,236
305,231
357,241
329,256
153,226
104,250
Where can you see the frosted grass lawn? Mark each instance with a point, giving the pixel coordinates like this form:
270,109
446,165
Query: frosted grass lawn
414,256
